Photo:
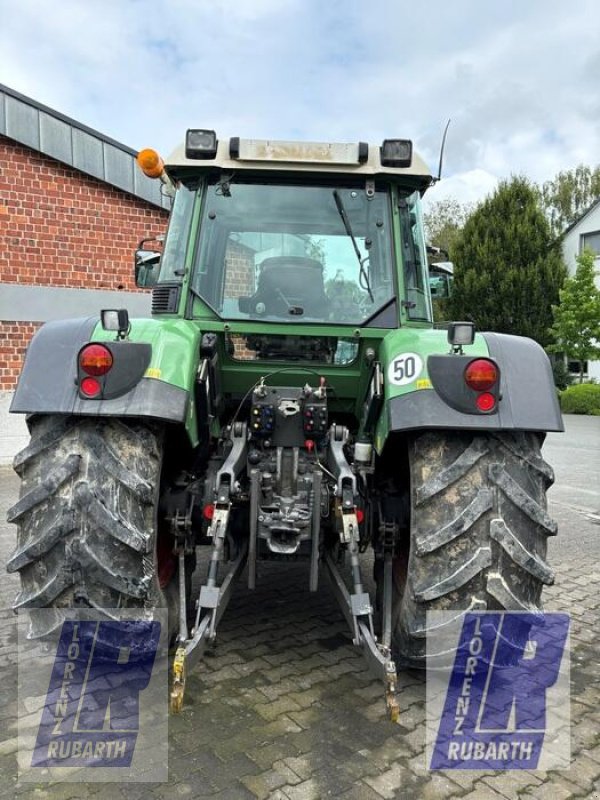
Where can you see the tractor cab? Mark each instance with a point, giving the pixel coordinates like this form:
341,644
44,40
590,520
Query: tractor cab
302,233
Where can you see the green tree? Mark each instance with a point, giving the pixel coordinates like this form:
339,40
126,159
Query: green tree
577,317
444,219
567,196
507,268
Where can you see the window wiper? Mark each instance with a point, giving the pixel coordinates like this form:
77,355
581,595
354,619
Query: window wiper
361,261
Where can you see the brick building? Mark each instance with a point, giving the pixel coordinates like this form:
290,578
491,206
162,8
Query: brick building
73,207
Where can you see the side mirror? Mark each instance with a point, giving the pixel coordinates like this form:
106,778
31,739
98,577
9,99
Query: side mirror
441,275
147,267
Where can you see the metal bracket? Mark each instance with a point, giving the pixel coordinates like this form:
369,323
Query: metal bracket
235,461
209,596
220,520
337,461
361,604
349,518
349,525
178,685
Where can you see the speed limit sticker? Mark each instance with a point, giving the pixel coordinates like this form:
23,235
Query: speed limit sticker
405,368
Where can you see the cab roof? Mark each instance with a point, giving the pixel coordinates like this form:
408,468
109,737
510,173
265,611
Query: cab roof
318,158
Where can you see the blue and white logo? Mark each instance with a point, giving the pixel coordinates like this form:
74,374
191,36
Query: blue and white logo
495,708
100,698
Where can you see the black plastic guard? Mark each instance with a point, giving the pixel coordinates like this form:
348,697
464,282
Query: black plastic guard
528,399
48,381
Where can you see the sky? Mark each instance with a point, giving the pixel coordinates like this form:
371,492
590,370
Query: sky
519,80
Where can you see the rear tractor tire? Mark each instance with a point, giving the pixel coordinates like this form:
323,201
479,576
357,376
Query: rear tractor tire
87,526
478,533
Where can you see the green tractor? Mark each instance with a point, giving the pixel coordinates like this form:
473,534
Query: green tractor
289,399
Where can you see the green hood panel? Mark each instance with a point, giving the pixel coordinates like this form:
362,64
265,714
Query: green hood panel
404,353
175,348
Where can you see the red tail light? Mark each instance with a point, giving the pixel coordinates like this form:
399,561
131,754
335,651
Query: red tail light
485,401
90,387
481,374
95,359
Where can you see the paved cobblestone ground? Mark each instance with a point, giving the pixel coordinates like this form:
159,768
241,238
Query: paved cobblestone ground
285,709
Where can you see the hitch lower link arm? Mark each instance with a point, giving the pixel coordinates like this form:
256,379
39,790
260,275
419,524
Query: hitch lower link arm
213,599
357,608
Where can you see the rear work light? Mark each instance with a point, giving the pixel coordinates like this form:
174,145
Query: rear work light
95,359
200,143
481,375
396,152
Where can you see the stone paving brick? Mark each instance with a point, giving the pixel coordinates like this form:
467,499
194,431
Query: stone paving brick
510,782
390,751
553,789
274,691
585,733
307,718
439,787
309,679
245,668
416,740
355,767
308,697
237,792
360,791
594,752
307,790
262,785
584,771
271,711
301,765
372,691
238,766
483,792
265,754
388,782
466,778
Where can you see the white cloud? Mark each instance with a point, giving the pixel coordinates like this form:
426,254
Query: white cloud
520,81
466,187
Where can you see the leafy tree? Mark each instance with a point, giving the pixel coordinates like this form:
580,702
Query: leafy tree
577,317
444,220
569,195
507,269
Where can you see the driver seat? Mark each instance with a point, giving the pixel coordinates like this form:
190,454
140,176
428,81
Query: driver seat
287,282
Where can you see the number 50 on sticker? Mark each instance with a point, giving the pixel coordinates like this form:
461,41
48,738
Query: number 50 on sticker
404,368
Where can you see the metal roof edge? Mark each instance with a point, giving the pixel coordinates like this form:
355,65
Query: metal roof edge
85,149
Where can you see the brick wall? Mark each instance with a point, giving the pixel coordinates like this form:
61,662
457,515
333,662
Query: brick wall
14,338
239,282
59,227
239,270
